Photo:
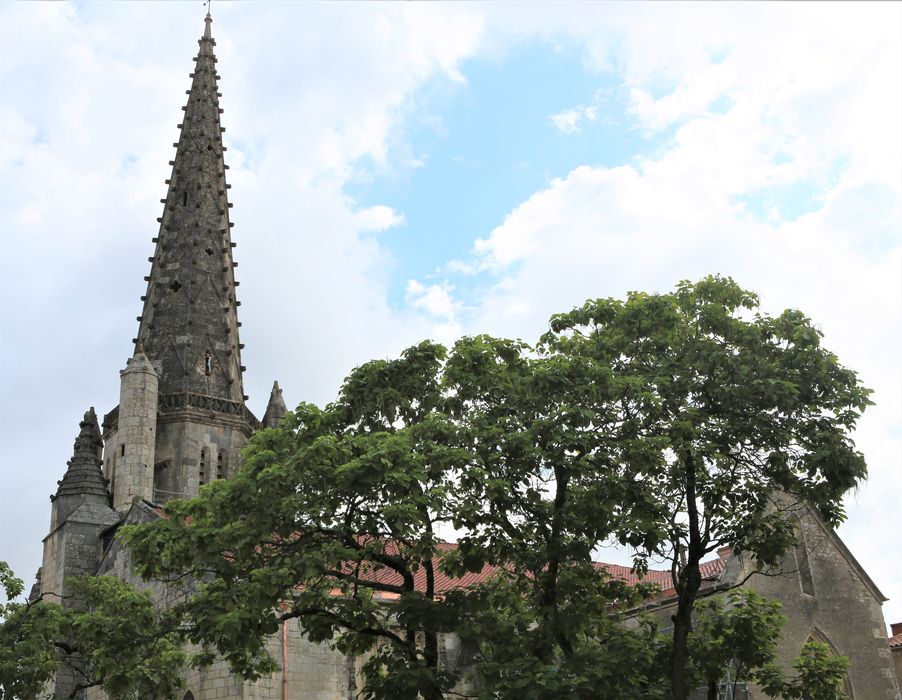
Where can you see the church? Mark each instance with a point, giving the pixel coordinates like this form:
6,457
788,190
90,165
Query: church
182,421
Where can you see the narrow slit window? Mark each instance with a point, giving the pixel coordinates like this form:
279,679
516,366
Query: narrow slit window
185,198
221,464
122,450
202,475
802,557
208,364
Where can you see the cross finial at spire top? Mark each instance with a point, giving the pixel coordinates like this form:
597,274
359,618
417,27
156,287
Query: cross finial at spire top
208,20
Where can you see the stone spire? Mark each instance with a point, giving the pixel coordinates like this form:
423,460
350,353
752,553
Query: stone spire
84,475
276,408
189,325
83,481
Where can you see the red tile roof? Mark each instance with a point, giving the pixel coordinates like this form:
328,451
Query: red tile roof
710,570
895,642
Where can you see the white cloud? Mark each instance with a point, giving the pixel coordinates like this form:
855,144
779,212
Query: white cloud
570,121
377,218
434,299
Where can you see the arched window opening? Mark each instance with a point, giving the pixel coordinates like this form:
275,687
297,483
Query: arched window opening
818,636
222,464
202,469
188,696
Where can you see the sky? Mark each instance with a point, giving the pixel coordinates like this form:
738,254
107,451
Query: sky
409,171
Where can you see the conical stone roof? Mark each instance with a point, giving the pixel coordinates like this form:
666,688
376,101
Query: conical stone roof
189,324
84,476
276,408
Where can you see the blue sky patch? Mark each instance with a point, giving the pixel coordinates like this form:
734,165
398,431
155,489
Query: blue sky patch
491,143
783,202
791,200
721,104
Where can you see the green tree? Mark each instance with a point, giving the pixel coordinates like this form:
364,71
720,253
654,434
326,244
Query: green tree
340,509
735,640
28,657
541,488
741,419
336,516
738,633
671,422
114,638
819,675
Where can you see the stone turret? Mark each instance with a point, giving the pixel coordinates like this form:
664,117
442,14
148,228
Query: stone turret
80,513
133,455
78,517
83,481
188,328
276,408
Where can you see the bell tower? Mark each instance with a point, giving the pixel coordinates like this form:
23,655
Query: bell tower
182,418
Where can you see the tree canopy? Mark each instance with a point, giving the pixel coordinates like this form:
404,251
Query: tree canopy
107,635
671,423
745,420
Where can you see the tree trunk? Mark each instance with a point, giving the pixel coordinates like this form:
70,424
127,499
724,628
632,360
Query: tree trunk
690,581
430,640
553,633
430,653
687,585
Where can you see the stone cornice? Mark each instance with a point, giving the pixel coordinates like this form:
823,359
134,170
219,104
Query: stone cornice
196,408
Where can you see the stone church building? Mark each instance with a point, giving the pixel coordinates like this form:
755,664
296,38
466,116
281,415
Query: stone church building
182,421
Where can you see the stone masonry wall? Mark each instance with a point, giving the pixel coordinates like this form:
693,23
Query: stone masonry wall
832,604
179,449
897,662
842,611
826,599
315,672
